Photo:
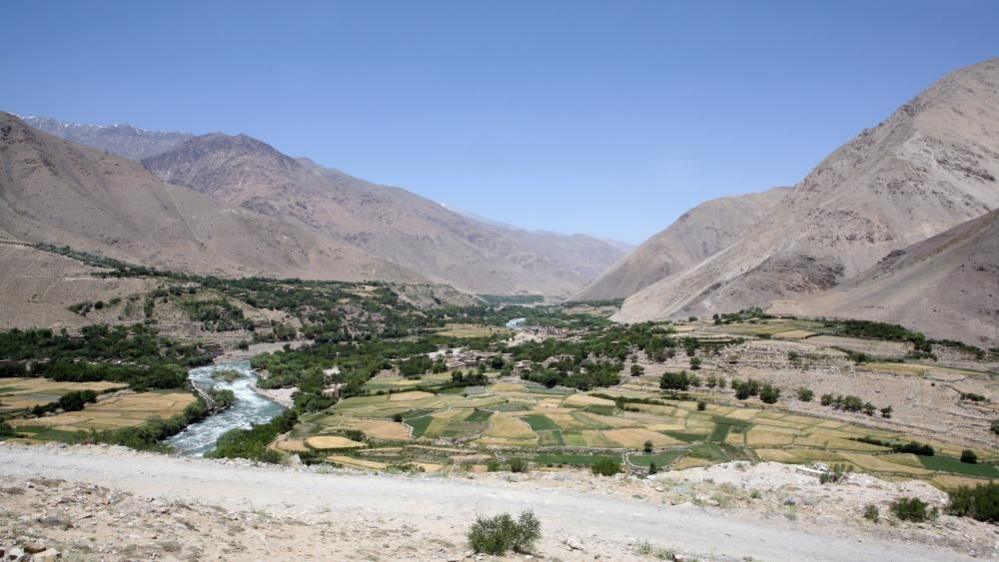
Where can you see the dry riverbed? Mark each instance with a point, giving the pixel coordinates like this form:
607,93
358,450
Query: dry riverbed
109,503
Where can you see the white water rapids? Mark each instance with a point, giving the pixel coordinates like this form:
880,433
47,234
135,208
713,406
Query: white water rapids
249,408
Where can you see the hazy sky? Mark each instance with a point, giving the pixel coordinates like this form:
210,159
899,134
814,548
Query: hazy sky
610,118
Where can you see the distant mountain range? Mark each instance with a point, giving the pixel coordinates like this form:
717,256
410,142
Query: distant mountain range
898,225
822,249
384,232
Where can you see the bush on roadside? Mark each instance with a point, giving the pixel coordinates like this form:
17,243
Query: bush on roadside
913,509
980,502
518,464
836,473
969,457
499,534
871,513
805,394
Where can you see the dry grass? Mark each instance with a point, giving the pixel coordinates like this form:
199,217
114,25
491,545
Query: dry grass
126,410
768,438
412,395
19,393
330,442
352,462
635,438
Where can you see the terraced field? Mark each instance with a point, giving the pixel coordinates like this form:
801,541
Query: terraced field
125,410
510,418
22,393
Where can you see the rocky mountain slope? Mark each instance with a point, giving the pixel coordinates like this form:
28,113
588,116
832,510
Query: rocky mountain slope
389,223
123,140
930,166
697,235
56,192
948,284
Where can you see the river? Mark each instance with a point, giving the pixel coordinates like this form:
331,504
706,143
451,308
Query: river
249,408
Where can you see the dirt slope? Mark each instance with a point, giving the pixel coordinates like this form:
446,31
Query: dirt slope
697,235
929,167
56,192
948,284
390,223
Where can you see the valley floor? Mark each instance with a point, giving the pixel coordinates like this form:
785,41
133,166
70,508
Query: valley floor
109,503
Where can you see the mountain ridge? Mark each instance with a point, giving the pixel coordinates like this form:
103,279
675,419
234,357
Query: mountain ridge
928,167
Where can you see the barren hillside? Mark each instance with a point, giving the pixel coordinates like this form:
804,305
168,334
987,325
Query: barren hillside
930,166
386,222
697,235
56,192
948,284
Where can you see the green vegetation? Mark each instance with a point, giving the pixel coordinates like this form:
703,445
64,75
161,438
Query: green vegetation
950,464
913,509
836,473
500,534
605,466
980,502
872,513
253,443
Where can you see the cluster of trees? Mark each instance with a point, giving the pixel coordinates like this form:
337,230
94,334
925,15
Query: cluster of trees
852,403
216,315
585,375
419,365
136,343
741,316
914,447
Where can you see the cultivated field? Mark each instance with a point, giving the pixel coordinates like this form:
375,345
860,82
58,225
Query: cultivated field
124,410
22,393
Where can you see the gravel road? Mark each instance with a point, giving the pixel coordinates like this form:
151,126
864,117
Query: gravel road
605,524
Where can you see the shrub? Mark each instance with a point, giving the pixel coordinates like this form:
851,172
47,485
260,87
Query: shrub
605,466
871,513
701,405
968,456
913,509
805,394
769,394
648,446
695,363
518,464
653,469
499,534
76,400
995,426
980,502
674,381
836,473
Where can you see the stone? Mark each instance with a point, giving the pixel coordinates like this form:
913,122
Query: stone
34,547
48,554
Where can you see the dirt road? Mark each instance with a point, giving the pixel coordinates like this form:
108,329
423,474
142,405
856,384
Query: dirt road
605,525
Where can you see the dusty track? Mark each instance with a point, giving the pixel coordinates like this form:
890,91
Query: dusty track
607,525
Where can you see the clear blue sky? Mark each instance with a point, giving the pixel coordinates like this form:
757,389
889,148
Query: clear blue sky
610,118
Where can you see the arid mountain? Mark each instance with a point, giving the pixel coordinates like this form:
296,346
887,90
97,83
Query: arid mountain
56,192
697,235
387,222
930,166
123,140
948,285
